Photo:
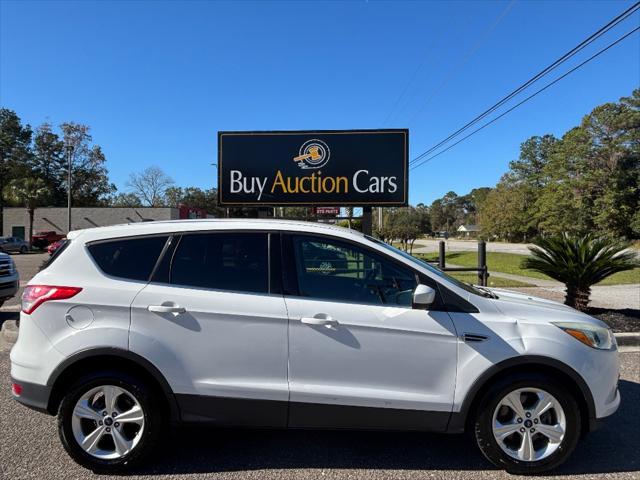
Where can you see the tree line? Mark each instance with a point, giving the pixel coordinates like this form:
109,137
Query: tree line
33,164
587,181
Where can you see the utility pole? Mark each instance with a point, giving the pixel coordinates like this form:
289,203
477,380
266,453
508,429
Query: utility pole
215,165
69,157
2,175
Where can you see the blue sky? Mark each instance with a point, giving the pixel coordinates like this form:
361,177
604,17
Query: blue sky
157,80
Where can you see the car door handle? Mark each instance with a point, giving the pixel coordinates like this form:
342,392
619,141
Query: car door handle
166,309
324,320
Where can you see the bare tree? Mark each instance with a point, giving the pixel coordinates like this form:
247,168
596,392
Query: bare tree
150,186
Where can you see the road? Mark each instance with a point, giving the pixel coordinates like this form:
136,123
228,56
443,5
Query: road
29,449
430,245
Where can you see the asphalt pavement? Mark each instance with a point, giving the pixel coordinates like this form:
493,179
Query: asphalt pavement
30,449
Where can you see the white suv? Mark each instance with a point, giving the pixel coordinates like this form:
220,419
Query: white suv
288,324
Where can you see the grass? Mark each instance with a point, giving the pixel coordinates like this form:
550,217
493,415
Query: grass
510,263
497,282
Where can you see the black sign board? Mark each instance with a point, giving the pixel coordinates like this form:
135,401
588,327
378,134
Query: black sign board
324,167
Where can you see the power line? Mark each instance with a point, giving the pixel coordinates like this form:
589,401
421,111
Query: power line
535,78
432,48
460,65
528,98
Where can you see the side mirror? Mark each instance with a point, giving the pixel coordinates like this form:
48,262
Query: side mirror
423,296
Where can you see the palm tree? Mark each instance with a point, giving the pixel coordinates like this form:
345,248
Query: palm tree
29,191
579,263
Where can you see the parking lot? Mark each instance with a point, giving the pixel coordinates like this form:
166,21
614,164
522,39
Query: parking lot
29,445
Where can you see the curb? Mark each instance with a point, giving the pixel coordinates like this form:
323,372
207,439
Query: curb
628,339
8,334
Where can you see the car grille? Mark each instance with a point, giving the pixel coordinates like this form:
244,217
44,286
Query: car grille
5,267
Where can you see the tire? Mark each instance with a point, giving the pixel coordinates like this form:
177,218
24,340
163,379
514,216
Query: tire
512,453
140,438
23,249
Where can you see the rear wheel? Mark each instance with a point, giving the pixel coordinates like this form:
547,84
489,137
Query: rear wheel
527,424
23,249
109,421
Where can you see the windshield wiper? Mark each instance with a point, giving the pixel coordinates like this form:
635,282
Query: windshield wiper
488,293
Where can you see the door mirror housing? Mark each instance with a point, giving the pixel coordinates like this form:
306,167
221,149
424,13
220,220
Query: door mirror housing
423,296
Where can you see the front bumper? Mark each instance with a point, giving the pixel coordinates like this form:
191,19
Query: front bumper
598,423
8,288
32,395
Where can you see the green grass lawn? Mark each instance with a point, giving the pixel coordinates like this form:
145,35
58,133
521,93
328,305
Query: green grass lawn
510,263
470,277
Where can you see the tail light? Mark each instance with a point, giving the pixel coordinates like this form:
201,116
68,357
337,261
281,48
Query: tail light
35,295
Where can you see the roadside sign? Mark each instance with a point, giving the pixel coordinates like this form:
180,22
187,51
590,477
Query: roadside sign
323,167
327,210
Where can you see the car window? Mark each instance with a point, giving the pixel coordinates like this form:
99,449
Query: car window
132,258
464,286
333,270
222,261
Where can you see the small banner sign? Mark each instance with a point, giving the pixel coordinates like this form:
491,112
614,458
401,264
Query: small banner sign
327,211
324,167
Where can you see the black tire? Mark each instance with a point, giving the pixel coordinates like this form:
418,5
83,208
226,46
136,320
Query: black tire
484,420
154,423
23,249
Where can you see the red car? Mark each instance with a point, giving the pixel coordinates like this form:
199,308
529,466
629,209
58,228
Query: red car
43,239
55,246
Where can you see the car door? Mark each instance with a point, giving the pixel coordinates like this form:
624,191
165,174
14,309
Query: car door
10,245
360,355
215,325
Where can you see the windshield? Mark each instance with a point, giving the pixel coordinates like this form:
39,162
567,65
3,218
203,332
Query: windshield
465,286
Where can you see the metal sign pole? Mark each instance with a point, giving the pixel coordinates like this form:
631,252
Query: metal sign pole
367,220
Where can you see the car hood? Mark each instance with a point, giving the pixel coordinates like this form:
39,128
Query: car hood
537,310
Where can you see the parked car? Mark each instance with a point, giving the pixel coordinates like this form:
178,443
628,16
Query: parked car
13,244
51,249
9,278
133,327
43,239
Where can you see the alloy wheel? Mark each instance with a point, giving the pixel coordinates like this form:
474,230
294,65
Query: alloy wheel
529,424
107,422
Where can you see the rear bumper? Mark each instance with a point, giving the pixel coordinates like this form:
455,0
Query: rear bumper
33,396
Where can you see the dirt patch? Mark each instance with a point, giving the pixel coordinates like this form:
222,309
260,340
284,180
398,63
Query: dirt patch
624,320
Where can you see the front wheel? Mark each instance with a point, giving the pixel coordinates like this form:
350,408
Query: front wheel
527,424
109,421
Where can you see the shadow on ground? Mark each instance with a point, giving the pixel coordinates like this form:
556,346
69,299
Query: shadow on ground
614,448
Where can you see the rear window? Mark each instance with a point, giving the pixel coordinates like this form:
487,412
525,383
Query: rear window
132,258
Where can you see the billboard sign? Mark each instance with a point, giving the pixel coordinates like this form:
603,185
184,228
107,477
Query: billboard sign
322,167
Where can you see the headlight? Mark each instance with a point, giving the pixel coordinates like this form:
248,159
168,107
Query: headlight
591,335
